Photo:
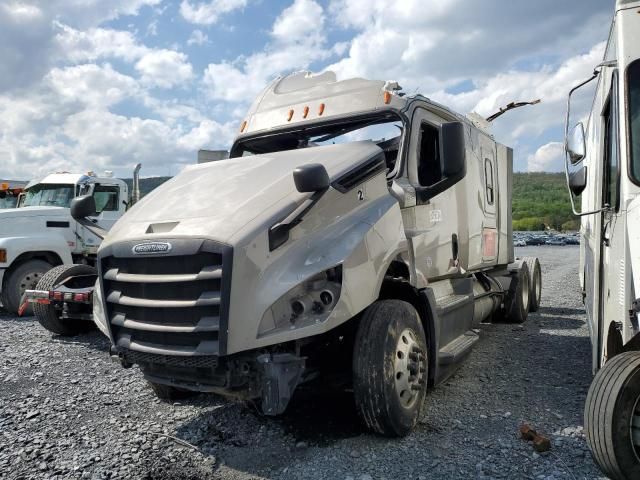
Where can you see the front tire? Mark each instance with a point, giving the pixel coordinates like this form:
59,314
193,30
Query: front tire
612,417
390,367
48,316
24,277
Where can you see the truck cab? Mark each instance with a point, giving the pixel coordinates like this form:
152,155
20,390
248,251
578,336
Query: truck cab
603,170
40,233
355,233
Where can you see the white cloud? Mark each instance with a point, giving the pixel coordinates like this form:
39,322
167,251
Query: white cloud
96,43
291,49
296,23
92,84
548,158
164,68
208,13
198,37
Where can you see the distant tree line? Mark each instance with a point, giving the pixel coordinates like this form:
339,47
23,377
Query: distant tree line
540,201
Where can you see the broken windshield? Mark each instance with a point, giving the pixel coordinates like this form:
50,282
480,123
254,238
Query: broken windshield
385,130
49,195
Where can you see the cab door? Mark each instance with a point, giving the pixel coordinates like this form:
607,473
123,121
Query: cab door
430,225
611,311
109,208
108,204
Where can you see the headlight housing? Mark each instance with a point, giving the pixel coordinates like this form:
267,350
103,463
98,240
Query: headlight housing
309,302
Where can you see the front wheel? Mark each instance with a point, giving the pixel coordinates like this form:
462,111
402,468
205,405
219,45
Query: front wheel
390,367
612,417
23,277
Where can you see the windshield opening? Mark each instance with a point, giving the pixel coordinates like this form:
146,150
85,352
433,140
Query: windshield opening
49,195
384,130
633,82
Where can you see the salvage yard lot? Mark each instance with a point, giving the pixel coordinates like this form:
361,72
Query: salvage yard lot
67,411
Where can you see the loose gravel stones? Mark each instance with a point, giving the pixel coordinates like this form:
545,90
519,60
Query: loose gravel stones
67,411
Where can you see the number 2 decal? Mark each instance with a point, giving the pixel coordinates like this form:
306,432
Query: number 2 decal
360,195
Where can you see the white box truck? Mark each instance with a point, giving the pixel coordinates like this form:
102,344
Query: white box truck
603,168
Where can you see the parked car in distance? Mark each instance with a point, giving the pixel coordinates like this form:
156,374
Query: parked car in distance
519,243
555,241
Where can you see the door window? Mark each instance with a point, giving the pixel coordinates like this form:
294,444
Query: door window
106,197
611,178
488,176
429,161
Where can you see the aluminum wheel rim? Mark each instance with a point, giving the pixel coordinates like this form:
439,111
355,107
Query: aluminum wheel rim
634,427
409,368
29,281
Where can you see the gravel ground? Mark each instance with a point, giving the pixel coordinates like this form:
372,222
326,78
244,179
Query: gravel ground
67,411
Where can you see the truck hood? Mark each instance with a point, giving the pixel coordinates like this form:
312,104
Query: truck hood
28,221
12,213
218,199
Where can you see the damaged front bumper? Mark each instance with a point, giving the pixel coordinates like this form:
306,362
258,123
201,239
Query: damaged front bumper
270,377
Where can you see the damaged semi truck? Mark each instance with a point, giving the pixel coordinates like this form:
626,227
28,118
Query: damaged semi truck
355,232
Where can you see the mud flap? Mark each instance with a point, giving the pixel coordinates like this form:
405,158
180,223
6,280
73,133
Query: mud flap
281,374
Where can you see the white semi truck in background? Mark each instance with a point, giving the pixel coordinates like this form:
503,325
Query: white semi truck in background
356,233
603,168
41,234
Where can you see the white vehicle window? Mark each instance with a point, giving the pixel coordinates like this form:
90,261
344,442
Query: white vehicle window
49,195
106,197
633,80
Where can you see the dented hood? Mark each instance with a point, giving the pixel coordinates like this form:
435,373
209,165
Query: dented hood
217,199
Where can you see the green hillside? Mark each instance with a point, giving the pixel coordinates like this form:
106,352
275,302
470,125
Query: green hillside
540,200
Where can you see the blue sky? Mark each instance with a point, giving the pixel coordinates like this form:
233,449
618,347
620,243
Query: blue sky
103,85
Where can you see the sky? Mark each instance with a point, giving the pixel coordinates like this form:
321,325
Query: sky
102,85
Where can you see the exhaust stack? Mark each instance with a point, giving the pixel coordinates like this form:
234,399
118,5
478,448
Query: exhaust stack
135,193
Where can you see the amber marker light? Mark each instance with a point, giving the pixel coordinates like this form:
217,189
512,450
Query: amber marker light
387,98
243,126
321,109
290,115
305,112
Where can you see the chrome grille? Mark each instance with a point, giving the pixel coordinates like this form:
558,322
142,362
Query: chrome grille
168,304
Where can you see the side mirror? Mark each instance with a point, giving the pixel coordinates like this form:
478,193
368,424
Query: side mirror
575,144
311,178
578,181
453,149
82,207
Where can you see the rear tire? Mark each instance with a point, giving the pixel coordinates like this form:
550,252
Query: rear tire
516,302
168,393
535,284
48,316
390,367
24,277
613,403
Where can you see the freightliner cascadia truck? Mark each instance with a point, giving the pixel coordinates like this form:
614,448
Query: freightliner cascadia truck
355,233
